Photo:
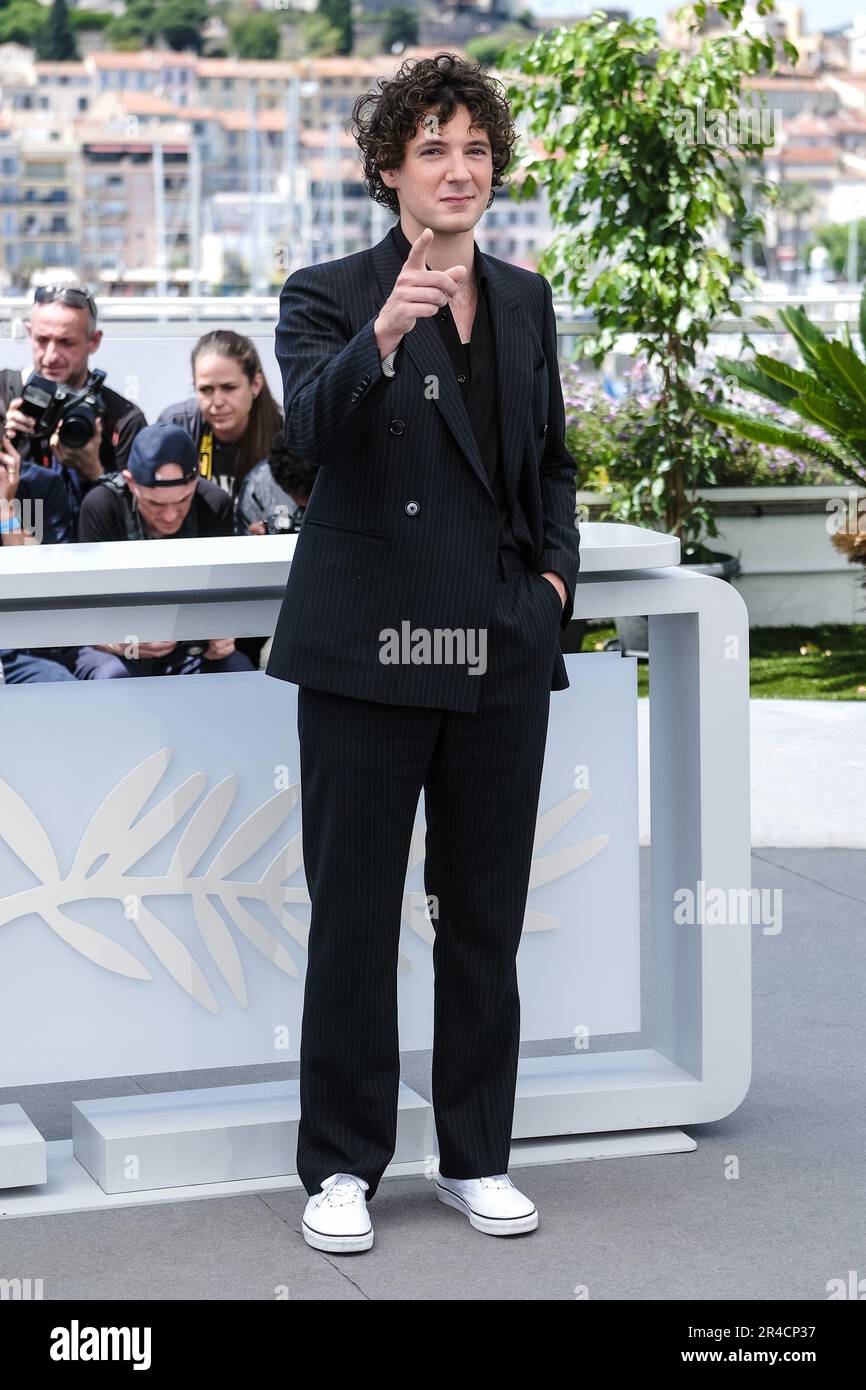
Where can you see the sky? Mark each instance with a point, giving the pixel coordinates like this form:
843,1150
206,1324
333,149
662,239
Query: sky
820,14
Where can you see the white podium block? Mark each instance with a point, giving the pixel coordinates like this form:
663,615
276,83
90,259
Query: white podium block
22,1150
177,892
216,1134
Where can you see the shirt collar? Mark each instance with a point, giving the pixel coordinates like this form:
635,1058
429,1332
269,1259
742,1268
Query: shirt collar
404,246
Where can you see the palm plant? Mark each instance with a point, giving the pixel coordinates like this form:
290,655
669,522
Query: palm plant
829,392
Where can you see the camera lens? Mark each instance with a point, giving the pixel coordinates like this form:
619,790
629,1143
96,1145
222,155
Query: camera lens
76,429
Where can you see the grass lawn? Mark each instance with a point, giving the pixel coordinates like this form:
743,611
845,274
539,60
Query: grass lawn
789,663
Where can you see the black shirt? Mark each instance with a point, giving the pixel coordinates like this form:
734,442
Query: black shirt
474,366
102,515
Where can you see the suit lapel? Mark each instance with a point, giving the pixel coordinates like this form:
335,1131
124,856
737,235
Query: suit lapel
427,352
513,369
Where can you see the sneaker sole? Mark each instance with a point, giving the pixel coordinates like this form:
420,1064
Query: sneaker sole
490,1225
337,1245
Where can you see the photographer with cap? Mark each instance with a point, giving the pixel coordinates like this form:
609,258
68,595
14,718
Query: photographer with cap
63,416
160,495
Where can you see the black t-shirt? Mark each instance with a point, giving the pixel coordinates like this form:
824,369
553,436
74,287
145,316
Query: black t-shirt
102,514
217,459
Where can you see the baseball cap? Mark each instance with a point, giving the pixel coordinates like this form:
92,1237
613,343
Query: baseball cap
158,444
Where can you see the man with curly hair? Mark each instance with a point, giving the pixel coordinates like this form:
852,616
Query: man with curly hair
433,572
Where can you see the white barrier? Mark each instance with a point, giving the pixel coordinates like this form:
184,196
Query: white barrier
153,908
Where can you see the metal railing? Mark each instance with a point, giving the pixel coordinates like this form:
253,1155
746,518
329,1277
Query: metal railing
827,308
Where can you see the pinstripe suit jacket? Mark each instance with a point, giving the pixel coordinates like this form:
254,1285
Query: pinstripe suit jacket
402,525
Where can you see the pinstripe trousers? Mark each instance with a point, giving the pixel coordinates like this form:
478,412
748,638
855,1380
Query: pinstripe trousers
363,764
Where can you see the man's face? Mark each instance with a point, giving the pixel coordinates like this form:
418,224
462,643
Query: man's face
164,509
61,344
445,179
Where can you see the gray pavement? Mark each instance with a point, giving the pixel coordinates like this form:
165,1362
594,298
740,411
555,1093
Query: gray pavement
662,1227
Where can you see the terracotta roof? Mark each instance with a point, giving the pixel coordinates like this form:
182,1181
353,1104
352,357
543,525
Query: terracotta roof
147,59
786,84
47,69
265,120
807,124
318,139
237,67
809,154
851,121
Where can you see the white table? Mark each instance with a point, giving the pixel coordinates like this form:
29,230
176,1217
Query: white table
693,1067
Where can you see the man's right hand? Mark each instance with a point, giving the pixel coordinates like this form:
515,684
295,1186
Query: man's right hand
17,420
144,650
418,293
155,649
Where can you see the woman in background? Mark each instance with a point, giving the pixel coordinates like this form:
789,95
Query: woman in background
232,417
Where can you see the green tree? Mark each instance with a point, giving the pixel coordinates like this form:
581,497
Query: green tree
180,23
338,14
55,41
135,28
255,35
21,22
401,26
320,37
639,189
836,239
489,49
90,19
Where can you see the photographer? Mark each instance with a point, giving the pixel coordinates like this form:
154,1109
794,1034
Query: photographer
33,510
274,495
271,502
77,439
159,496
232,416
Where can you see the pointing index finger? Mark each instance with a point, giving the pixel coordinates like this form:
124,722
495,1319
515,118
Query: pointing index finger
418,249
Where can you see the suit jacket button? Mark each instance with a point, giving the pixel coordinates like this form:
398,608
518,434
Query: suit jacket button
412,508
397,426
543,431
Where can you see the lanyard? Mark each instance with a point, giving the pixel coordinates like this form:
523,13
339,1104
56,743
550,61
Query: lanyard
205,455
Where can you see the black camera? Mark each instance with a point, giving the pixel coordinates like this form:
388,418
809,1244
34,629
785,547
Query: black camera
55,406
280,523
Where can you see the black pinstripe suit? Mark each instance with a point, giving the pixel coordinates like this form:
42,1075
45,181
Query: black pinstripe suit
402,532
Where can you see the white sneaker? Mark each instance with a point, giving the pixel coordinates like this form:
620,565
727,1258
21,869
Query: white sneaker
336,1218
494,1205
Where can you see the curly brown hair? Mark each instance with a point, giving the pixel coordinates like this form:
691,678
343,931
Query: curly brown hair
385,120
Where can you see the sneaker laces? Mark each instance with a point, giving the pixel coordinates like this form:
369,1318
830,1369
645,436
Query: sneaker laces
342,1188
500,1181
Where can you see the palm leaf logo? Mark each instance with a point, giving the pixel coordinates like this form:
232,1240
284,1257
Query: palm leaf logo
118,837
